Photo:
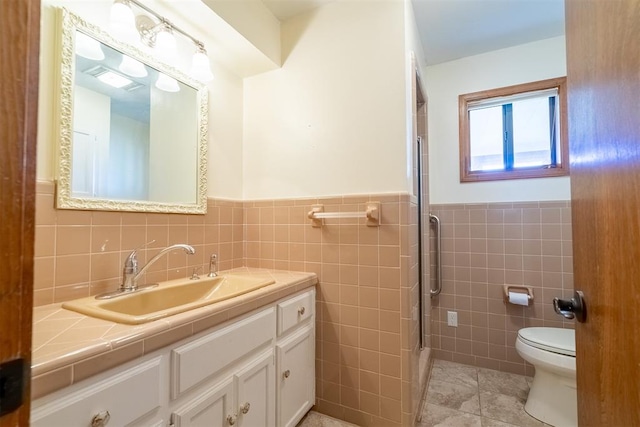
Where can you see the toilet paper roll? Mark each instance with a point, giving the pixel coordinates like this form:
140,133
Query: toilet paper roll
518,298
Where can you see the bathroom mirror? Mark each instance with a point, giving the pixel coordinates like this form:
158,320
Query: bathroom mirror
132,130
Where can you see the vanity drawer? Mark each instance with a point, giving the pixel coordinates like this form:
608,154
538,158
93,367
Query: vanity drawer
113,394
295,311
213,353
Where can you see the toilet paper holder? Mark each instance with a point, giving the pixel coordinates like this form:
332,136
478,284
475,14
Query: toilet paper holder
528,290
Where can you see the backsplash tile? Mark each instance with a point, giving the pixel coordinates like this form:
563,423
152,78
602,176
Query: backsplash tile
81,253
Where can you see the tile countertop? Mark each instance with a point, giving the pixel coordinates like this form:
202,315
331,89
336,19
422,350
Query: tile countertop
69,347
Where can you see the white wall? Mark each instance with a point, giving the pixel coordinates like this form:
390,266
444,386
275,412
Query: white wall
254,21
414,53
225,92
172,149
520,64
331,121
128,159
93,118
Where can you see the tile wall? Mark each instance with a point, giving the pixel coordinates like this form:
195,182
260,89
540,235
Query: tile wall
484,247
366,339
81,253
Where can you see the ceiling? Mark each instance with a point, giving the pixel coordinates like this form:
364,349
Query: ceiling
452,29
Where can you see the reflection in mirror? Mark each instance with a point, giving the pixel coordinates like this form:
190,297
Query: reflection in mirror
137,132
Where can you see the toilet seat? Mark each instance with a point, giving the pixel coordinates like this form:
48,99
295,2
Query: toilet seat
556,340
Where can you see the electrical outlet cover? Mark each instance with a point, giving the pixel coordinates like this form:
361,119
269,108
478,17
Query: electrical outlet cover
452,318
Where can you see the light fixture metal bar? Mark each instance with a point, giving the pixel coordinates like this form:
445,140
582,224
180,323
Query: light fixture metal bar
162,19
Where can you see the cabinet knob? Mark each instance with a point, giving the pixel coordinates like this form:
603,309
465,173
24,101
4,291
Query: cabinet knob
231,419
286,373
301,311
245,408
100,419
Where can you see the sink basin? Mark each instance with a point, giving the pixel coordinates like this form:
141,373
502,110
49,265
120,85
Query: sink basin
169,298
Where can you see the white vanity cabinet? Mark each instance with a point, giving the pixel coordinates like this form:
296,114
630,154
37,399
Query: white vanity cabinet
235,364
243,399
116,398
295,353
256,370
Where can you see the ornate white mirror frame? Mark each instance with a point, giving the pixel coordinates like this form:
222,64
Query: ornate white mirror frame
70,25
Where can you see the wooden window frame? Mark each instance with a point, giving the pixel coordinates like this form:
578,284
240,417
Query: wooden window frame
561,169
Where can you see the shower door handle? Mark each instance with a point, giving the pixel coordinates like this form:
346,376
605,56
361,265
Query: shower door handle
573,308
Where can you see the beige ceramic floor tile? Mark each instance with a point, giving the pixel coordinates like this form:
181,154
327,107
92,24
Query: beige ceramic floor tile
438,416
503,383
315,419
454,373
509,409
454,396
493,397
488,422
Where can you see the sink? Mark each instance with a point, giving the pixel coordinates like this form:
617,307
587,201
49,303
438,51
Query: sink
169,298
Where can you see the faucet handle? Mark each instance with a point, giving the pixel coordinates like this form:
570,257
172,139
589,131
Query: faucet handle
131,260
194,275
213,266
131,263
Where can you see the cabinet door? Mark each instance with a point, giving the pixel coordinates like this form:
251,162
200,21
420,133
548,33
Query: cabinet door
256,390
126,396
206,357
214,408
296,376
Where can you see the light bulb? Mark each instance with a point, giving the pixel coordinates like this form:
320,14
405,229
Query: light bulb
167,84
166,45
88,47
122,23
132,67
200,67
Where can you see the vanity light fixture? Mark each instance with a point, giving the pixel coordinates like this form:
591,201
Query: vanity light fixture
122,22
157,34
88,47
132,67
167,84
165,43
200,68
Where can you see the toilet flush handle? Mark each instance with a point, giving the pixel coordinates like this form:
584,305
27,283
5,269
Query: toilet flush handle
573,308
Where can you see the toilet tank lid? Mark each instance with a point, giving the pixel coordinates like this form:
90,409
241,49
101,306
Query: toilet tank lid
557,340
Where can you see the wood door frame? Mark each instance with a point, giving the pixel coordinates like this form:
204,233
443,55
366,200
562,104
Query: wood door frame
19,68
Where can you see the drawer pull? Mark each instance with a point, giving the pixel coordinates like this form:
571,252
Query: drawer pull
286,373
245,408
231,419
301,311
100,419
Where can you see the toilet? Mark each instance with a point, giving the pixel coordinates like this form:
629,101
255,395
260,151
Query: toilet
552,351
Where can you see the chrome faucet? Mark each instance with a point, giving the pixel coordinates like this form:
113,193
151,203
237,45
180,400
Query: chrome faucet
213,266
131,274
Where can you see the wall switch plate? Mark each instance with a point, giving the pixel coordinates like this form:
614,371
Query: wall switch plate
452,318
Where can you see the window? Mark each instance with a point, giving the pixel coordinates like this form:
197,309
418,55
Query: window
514,132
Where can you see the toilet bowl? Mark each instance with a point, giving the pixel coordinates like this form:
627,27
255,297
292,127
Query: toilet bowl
552,396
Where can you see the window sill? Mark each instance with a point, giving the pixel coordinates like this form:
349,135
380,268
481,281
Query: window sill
479,176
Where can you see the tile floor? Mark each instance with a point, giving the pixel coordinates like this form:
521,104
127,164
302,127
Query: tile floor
316,419
463,396
466,396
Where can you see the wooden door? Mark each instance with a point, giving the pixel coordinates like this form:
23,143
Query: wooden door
603,77
19,47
